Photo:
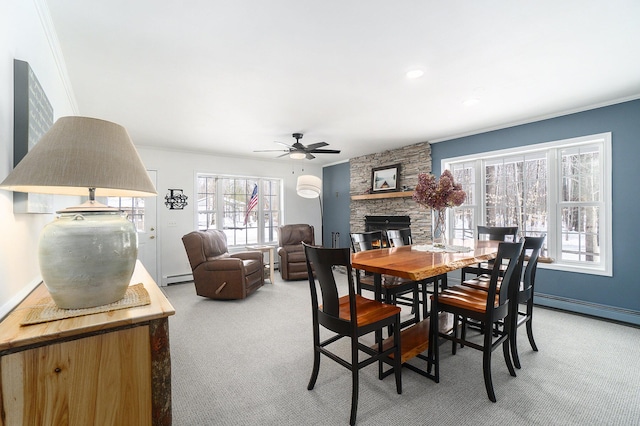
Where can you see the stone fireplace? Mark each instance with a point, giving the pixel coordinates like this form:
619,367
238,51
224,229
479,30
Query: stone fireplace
413,159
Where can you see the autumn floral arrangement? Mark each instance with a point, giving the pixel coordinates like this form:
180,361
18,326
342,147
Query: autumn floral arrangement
438,195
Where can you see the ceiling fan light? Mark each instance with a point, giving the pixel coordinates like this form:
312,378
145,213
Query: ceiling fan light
297,155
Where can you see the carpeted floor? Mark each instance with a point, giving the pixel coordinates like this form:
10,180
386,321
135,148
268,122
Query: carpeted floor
247,362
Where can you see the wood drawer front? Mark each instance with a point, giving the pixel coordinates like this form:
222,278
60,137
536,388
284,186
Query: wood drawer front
103,379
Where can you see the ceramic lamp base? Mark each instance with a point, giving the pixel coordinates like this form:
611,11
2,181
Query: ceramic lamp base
87,258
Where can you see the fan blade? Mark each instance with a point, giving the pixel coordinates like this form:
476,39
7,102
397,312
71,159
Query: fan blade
283,155
310,157
282,143
325,151
299,146
272,150
316,145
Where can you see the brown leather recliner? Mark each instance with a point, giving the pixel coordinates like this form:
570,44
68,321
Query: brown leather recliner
218,274
293,263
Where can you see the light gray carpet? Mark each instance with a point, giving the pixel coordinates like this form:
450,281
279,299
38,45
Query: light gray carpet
248,362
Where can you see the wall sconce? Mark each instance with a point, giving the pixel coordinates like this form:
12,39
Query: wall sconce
175,199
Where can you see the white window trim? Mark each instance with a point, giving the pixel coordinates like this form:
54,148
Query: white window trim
606,267
219,201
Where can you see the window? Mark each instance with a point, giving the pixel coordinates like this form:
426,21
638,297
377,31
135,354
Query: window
559,188
246,209
132,206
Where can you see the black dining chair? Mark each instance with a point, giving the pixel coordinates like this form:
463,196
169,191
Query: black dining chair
489,307
393,289
351,316
399,237
492,233
532,248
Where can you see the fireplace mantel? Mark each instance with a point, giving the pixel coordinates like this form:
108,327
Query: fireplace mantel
401,194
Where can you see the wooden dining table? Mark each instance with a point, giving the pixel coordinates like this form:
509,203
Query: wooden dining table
418,263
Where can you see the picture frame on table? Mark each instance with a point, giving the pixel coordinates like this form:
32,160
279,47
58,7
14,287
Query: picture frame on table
385,179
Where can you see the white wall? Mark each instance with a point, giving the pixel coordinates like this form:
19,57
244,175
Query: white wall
177,170
26,36
23,36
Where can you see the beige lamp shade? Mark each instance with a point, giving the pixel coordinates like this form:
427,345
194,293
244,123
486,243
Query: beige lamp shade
88,253
309,186
78,153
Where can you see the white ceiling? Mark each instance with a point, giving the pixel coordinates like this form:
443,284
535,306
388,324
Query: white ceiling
230,77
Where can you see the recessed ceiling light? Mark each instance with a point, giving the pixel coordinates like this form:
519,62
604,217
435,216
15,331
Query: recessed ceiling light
413,74
471,102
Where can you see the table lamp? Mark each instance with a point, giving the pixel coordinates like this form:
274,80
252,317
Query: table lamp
88,253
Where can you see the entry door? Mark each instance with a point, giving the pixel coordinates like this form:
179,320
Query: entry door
147,233
142,212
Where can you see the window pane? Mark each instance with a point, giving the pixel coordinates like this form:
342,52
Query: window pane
580,236
243,211
132,207
515,190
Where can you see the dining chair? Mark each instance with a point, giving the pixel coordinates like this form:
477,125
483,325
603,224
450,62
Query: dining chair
393,289
351,316
532,248
399,237
488,307
492,233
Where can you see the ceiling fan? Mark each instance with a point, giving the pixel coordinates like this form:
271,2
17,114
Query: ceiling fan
298,151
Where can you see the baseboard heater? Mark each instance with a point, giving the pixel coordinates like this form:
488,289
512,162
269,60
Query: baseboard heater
588,308
178,278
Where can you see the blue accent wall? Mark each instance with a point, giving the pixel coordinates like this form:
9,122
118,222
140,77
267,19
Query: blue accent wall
616,297
336,203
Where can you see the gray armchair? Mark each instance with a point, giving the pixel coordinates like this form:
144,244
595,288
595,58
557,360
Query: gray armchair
218,274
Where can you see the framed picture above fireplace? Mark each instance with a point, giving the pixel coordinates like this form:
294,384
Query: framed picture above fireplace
385,179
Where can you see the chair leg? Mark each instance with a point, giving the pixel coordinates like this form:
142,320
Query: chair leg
416,304
510,329
378,338
507,358
513,337
316,357
486,367
454,345
316,369
354,397
530,324
354,381
463,332
514,352
397,357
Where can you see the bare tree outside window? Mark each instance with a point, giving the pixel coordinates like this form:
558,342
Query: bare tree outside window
557,188
229,204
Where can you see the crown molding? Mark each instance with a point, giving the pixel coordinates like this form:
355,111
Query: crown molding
52,38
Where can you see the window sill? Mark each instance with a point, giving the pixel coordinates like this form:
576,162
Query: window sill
555,266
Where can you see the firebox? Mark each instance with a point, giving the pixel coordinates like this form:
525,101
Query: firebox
375,223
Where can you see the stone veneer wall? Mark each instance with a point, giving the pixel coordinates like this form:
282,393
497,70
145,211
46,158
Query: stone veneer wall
413,159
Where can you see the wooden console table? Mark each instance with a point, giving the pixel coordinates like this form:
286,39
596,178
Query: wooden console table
111,368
